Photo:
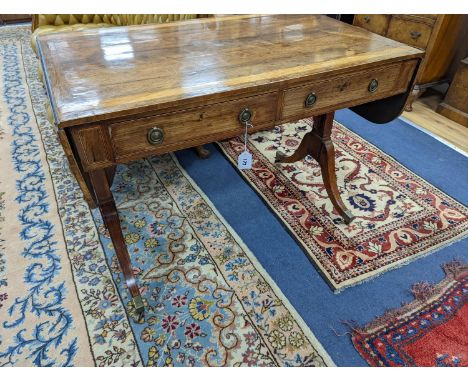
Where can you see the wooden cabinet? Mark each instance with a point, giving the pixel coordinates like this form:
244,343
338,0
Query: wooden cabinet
373,23
439,35
455,104
415,31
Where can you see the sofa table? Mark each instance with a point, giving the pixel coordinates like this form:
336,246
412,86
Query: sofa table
125,93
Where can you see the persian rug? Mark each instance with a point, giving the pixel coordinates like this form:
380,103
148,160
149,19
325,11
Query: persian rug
430,331
62,297
399,216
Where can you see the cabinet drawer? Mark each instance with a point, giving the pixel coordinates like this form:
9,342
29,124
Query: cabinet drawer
187,128
348,90
410,30
373,23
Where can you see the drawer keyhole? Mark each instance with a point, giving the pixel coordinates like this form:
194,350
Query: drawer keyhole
155,136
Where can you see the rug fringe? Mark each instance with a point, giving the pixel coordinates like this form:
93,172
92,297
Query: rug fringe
422,291
352,326
455,268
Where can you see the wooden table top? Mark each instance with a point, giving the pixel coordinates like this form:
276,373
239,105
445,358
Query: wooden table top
99,74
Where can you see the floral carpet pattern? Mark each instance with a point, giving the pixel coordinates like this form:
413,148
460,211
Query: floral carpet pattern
62,298
431,331
399,216
199,282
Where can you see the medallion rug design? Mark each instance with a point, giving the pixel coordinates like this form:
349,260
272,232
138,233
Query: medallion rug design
62,300
399,216
431,331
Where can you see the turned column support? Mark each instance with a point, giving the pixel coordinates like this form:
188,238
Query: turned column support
319,145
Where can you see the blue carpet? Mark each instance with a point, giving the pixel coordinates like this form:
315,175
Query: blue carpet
285,261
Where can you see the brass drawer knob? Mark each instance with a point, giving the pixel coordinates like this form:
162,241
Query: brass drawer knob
310,100
367,19
373,85
415,35
155,136
245,115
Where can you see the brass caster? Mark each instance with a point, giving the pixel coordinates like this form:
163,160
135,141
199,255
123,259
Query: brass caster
347,217
138,305
279,157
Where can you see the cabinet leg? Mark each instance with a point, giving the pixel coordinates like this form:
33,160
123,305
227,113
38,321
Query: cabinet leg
415,94
319,145
100,182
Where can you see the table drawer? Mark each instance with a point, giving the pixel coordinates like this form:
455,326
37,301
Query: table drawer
187,128
410,30
347,90
373,23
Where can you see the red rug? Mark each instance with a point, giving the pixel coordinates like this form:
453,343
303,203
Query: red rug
399,216
431,331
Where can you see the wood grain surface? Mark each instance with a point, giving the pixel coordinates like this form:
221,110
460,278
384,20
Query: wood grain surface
112,72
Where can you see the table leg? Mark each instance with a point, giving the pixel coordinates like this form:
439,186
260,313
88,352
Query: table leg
80,176
415,94
319,145
101,181
202,152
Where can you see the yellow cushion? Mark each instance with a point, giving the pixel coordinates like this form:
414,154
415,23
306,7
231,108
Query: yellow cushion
148,19
116,19
58,20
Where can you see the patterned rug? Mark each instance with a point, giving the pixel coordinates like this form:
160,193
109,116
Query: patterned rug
431,331
399,216
62,300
